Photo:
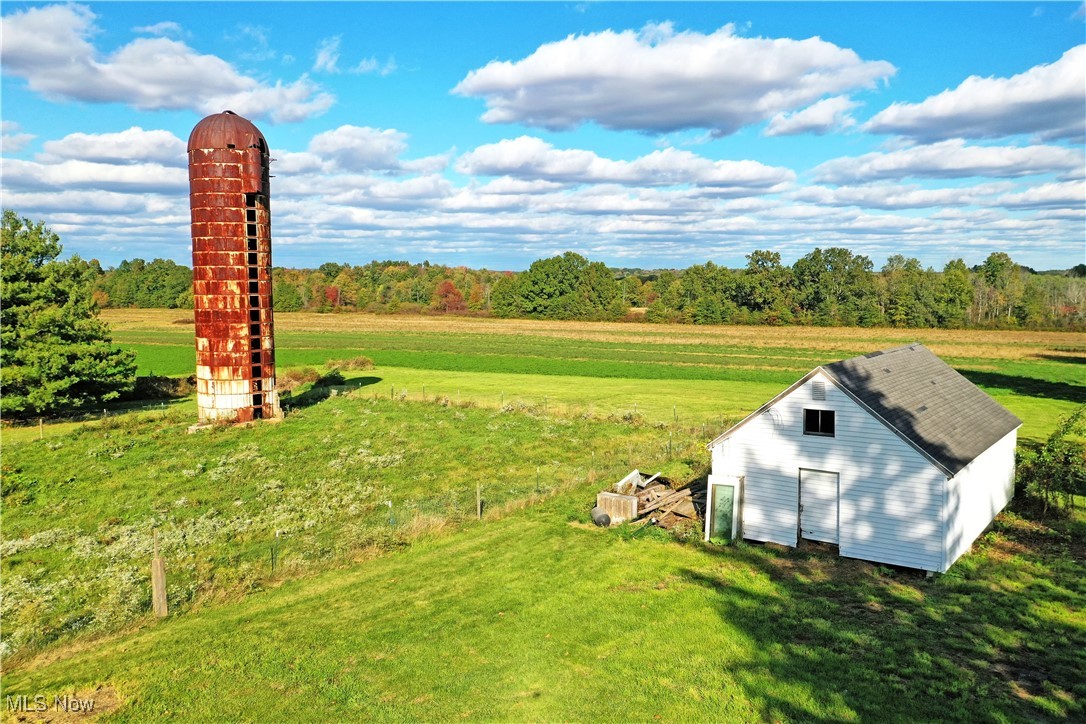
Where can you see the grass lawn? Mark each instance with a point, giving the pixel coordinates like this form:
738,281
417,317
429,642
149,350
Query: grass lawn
538,616
346,478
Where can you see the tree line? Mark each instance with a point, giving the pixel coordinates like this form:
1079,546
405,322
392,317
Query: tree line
825,287
56,355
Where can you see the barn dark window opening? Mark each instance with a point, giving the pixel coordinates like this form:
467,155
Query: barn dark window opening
254,315
819,422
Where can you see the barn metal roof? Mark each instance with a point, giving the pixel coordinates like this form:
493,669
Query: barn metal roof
920,397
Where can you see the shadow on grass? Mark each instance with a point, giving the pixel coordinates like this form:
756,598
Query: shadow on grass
993,639
1074,360
105,409
324,388
1028,385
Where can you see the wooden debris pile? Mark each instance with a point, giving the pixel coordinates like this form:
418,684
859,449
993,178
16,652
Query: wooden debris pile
654,500
666,506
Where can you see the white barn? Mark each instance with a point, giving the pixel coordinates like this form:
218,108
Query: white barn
893,456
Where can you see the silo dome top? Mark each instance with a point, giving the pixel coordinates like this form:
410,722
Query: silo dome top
226,130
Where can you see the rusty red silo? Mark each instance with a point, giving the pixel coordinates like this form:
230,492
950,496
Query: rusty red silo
231,270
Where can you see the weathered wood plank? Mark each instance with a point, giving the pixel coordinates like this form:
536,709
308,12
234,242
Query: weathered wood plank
670,498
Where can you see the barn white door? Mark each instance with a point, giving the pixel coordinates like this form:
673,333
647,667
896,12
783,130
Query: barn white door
818,505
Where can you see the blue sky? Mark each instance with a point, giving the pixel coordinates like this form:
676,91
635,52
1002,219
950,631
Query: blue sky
493,134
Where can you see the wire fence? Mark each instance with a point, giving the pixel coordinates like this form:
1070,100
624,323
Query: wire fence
232,551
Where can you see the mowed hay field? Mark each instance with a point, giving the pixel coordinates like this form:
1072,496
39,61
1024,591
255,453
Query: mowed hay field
418,611
689,374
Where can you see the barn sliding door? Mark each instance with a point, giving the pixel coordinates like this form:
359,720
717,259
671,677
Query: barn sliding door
818,505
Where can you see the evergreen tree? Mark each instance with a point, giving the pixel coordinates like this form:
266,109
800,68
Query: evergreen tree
55,355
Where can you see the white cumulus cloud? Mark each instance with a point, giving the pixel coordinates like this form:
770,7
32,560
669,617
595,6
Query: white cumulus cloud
89,203
659,80
72,174
1069,195
898,196
132,145
50,48
13,140
532,158
1046,100
827,115
361,148
950,159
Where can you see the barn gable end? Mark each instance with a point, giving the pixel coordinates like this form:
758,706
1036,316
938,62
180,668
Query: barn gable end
897,525
905,495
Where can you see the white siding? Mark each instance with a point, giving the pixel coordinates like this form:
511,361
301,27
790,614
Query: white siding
891,496
974,496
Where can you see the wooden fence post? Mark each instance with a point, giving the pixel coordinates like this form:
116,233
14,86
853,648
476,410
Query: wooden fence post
158,583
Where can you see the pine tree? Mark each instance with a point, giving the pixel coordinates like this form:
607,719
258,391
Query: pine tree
55,354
